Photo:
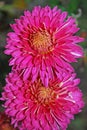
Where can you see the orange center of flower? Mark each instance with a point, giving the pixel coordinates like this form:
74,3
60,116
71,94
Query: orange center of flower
45,95
41,41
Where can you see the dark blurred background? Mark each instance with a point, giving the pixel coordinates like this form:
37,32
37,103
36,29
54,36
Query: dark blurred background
11,9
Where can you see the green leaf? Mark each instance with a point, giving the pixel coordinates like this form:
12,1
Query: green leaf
73,6
7,8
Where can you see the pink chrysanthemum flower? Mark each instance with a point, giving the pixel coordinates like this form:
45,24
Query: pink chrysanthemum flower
32,106
43,42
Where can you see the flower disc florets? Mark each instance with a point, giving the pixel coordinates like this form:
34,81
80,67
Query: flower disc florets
43,42
33,106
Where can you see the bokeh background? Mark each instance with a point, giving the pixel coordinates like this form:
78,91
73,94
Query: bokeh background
12,9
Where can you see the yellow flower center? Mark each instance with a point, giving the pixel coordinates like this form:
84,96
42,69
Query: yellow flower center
45,95
41,41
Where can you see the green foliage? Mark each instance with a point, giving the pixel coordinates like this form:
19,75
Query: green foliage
27,1
78,124
54,3
73,6
83,5
7,8
58,3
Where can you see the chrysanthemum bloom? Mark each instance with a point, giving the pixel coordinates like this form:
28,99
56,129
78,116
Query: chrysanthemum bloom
43,42
32,106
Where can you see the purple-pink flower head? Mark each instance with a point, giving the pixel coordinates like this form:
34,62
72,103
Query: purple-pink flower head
43,41
32,106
